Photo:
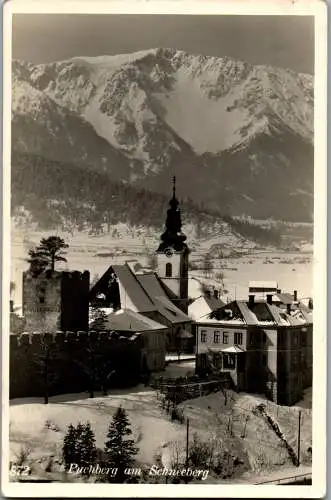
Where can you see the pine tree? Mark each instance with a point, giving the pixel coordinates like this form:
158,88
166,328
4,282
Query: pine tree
44,256
120,450
86,449
52,249
79,446
69,447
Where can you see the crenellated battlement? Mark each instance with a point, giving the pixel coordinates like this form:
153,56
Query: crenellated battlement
59,337
58,275
68,356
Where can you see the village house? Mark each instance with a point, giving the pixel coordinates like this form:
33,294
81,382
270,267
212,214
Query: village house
264,348
205,304
152,336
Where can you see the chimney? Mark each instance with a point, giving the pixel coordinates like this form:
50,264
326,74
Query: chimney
295,295
288,308
269,298
11,306
216,294
279,290
251,300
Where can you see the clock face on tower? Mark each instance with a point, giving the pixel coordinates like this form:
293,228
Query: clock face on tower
168,252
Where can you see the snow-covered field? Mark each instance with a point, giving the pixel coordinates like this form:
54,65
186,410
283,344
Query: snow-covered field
292,271
40,428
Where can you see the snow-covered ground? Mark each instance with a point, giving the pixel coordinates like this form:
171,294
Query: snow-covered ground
96,253
41,427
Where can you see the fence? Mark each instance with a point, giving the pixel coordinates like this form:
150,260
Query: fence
182,389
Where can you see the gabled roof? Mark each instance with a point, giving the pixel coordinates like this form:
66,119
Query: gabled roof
203,306
285,298
133,289
259,313
128,320
166,308
213,302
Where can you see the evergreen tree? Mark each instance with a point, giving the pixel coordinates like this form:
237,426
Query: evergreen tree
44,256
69,447
79,446
52,249
120,450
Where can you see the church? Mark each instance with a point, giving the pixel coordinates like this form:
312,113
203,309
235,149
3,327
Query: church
162,295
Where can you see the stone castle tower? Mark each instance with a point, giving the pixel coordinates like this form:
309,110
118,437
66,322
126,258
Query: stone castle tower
173,256
54,301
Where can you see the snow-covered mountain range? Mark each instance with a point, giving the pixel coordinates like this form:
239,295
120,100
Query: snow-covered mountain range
238,137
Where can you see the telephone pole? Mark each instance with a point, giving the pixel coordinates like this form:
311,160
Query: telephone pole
187,438
299,437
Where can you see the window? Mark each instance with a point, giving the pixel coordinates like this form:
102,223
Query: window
203,336
225,338
168,270
238,338
229,361
42,300
217,337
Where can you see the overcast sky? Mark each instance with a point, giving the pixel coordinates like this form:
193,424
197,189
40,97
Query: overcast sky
286,41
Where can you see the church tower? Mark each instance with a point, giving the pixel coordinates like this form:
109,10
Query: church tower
172,256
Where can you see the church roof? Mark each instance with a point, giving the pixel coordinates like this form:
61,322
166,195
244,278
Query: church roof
133,288
153,288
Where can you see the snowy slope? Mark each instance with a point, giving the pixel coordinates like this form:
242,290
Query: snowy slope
165,111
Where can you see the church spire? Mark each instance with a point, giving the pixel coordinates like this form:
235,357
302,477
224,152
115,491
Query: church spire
173,237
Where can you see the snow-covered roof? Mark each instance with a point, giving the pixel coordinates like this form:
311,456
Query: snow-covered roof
256,314
128,320
166,308
202,306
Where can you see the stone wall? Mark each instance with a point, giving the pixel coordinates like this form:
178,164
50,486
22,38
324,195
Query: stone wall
65,358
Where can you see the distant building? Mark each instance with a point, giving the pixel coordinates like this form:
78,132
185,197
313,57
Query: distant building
152,336
266,349
54,301
204,305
